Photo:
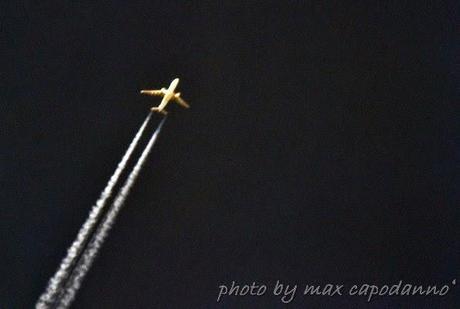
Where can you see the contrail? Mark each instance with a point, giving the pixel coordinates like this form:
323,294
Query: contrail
75,250
91,251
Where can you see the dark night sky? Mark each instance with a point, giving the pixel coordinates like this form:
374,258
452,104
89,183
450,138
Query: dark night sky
321,146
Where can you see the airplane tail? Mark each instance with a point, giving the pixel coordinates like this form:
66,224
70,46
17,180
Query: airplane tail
156,109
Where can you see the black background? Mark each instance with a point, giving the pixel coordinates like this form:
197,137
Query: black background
320,147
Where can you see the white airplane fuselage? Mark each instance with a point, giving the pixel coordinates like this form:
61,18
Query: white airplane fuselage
168,94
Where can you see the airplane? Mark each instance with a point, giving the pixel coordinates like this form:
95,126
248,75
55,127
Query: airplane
168,94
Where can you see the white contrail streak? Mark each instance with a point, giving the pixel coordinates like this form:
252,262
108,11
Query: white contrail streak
55,283
91,251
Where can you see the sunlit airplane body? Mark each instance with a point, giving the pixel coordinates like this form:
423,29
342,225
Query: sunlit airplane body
168,95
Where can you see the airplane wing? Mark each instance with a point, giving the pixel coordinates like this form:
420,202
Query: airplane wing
181,102
152,92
